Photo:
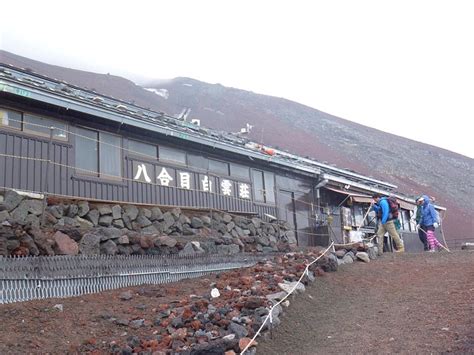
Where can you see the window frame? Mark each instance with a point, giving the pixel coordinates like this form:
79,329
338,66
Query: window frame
18,129
160,159
80,170
209,160
254,185
99,174
267,190
205,168
139,155
42,134
120,149
236,176
31,132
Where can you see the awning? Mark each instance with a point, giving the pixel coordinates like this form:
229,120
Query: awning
362,199
406,205
349,193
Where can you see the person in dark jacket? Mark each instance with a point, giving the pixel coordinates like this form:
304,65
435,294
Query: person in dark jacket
428,222
385,223
421,233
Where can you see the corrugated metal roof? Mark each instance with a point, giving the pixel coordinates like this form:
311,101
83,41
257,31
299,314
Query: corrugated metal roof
38,87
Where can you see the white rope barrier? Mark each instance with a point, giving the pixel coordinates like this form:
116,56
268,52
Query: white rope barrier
269,315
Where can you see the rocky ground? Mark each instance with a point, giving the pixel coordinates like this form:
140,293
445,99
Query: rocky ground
398,303
409,304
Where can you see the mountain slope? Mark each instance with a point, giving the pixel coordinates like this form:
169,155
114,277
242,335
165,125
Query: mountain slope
415,167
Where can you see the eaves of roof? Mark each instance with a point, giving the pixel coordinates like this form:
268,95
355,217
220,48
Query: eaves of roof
37,87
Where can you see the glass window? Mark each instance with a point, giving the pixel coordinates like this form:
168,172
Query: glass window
269,187
371,219
87,151
10,118
41,125
239,171
406,220
198,161
218,167
412,221
110,156
258,189
172,155
98,152
142,149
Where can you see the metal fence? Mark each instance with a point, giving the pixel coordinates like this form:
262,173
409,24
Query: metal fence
29,278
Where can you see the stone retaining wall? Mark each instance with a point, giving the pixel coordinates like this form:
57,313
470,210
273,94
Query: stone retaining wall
80,227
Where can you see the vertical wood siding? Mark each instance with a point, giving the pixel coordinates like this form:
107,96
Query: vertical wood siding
30,175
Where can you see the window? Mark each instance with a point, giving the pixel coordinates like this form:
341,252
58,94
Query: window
87,151
98,153
10,118
141,149
269,187
371,219
263,186
33,124
239,171
357,215
412,221
405,220
218,167
258,188
41,126
172,155
110,157
198,161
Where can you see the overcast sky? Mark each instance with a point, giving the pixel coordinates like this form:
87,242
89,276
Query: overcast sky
405,67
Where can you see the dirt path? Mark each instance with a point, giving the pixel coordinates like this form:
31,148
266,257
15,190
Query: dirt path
421,303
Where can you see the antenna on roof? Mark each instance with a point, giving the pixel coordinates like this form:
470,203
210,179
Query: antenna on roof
184,114
245,130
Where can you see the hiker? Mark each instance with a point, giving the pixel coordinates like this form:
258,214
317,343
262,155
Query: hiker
386,214
429,222
417,217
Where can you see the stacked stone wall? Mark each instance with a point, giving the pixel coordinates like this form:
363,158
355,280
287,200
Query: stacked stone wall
67,227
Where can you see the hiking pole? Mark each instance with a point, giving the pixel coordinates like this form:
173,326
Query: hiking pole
449,251
441,227
362,222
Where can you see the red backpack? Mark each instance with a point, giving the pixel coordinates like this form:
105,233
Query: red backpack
394,206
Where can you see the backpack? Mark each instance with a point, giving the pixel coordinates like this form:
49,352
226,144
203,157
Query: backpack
393,206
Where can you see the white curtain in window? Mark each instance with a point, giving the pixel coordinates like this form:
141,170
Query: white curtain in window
110,155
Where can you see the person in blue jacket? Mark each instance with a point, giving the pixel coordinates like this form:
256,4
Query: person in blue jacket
417,219
386,223
429,221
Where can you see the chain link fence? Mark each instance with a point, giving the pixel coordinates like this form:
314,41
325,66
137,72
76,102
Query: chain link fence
30,278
